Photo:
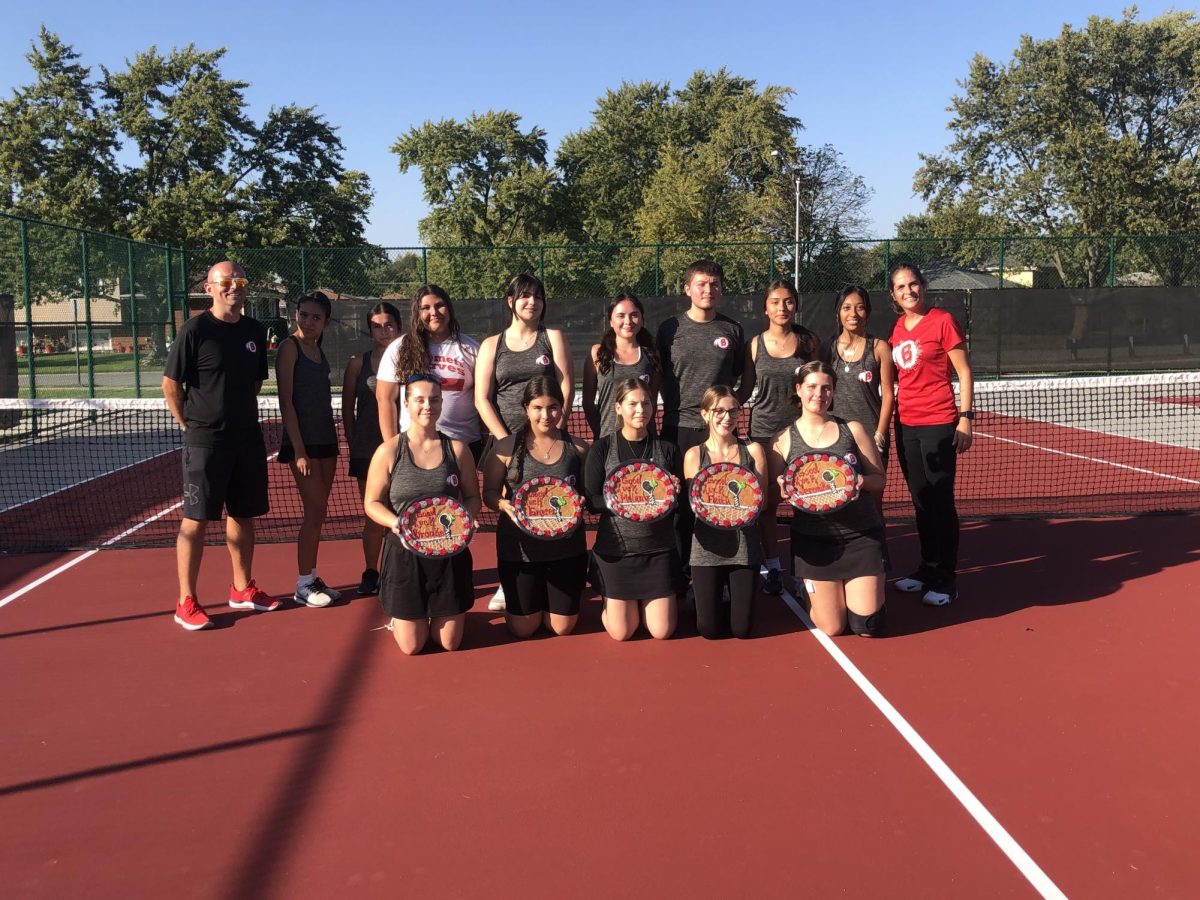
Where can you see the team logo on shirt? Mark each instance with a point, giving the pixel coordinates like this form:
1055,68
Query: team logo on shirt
570,479
452,480
543,360
907,354
852,459
645,376
866,376
371,382
251,346
721,343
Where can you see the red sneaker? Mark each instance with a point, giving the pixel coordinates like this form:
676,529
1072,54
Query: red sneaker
252,597
191,615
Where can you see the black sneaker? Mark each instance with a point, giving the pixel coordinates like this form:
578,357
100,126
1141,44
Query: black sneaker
369,584
772,582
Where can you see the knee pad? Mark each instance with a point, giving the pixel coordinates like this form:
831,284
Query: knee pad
872,626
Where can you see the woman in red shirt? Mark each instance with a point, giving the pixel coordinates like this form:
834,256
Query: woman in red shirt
931,427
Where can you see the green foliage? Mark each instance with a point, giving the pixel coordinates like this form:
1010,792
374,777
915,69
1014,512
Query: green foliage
1089,133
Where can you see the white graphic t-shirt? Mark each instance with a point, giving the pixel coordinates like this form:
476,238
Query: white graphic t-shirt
454,365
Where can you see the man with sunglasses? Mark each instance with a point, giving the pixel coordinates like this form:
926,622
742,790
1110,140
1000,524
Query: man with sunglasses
213,375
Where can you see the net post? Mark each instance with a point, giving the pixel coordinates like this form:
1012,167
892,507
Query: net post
27,295
133,321
87,314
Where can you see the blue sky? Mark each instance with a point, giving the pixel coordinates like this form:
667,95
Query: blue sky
872,78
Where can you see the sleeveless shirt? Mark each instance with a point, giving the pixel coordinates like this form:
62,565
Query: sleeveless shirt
409,481
857,397
722,547
312,399
606,388
512,543
367,436
616,536
771,408
513,369
860,516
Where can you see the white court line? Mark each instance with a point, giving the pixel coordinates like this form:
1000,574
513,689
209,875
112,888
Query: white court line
1032,871
1094,459
87,553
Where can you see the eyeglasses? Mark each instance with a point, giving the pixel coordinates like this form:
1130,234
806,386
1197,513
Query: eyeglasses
722,413
226,283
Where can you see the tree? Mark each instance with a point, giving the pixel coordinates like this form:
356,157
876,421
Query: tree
57,143
1091,133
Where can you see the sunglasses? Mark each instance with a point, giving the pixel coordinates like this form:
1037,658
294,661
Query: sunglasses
226,283
422,376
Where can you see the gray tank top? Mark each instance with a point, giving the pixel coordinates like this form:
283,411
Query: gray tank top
410,482
513,369
719,546
620,537
606,388
861,516
511,542
857,397
312,398
774,385
367,436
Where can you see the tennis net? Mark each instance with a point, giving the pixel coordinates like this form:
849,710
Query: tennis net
93,473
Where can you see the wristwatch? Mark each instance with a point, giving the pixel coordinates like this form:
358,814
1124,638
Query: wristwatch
969,415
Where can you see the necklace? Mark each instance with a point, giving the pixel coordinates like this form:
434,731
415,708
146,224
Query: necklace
847,352
722,454
546,453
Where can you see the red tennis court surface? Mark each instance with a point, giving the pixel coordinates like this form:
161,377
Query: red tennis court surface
298,754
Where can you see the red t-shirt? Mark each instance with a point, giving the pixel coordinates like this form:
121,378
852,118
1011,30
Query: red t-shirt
924,392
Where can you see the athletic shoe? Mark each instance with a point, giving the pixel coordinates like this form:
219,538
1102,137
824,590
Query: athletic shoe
191,615
918,582
772,582
252,597
497,604
316,594
943,592
369,584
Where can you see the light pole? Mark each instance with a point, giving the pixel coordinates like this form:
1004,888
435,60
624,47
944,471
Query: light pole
796,178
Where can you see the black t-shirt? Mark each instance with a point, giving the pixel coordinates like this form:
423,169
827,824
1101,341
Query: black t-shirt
219,364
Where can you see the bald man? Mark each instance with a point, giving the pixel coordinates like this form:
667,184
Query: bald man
214,372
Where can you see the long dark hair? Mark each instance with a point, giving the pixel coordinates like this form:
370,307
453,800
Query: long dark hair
525,285
319,298
625,387
414,351
386,309
536,387
608,340
849,290
899,267
807,343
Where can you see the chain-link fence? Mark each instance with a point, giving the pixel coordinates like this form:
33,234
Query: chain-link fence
84,314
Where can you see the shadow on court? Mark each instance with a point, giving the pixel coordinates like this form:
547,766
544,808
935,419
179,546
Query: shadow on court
1008,566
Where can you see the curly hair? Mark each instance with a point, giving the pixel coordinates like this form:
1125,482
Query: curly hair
414,344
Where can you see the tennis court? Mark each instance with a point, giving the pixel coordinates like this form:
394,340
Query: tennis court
1036,737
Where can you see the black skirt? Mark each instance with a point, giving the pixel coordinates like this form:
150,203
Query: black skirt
415,587
830,558
637,577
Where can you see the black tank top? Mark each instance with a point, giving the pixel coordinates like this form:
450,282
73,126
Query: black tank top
616,536
513,369
514,544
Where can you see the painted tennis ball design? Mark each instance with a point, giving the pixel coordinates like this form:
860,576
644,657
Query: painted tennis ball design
447,523
557,503
735,488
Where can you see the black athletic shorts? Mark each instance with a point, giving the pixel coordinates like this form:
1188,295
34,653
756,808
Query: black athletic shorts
232,475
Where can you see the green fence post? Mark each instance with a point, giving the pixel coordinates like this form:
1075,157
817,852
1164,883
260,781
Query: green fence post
185,302
1112,261
424,265
658,270
887,265
303,270
999,308
133,321
542,263
87,314
170,273
27,294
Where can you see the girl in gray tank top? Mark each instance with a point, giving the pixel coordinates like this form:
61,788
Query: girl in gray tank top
866,375
542,578
723,560
626,350
772,359
513,370
310,443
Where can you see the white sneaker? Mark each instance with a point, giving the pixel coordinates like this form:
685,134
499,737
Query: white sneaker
316,594
939,597
497,604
